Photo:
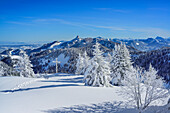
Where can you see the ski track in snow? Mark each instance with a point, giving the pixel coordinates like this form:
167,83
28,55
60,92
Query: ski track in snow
21,85
24,84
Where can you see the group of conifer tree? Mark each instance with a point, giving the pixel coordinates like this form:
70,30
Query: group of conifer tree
108,70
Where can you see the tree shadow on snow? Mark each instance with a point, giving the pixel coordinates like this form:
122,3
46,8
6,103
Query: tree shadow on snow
56,75
40,87
107,107
71,80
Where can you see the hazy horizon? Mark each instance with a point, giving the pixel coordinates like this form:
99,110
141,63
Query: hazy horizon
48,41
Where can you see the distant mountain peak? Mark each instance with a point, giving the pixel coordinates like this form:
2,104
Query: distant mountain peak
159,38
77,38
99,37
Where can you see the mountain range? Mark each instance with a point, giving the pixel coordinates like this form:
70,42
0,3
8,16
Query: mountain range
146,44
143,52
139,44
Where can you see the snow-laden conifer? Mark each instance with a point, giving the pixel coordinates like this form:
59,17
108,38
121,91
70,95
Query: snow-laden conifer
1,71
120,64
80,65
56,66
98,70
24,66
109,57
85,61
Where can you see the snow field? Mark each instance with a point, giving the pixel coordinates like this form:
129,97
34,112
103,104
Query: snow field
58,93
34,95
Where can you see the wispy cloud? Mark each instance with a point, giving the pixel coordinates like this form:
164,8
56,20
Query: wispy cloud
52,20
78,24
152,31
149,31
105,27
120,11
42,21
47,20
112,10
19,23
103,9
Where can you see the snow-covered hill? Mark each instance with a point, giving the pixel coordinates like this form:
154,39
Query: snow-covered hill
60,93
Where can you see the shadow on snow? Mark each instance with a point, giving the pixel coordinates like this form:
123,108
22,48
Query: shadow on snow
107,107
56,75
67,82
71,80
40,87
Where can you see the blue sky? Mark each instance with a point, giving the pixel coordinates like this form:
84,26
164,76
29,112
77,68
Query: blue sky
48,20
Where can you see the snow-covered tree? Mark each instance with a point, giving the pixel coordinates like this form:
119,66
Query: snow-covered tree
80,65
56,68
98,70
1,71
85,61
143,87
109,57
121,62
24,66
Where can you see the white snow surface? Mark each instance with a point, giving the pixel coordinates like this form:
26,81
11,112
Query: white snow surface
53,92
55,44
137,43
15,57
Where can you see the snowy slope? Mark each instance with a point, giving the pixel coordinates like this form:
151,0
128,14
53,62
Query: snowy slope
53,92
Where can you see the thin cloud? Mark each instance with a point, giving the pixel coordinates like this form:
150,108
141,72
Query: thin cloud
110,27
112,10
56,20
149,31
78,24
152,31
103,9
19,23
47,20
120,11
105,27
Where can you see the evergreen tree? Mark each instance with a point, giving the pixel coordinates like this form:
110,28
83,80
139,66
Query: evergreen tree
24,66
109,58
80,65
1,71
121,62
98,70
56,68
151,78
85,61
